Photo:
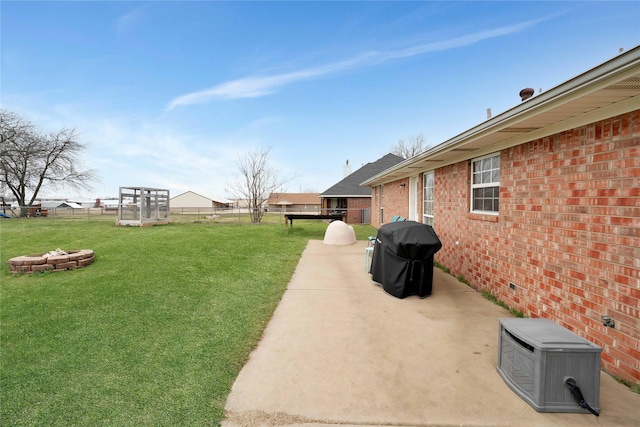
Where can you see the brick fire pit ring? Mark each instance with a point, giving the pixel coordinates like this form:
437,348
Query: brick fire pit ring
70,260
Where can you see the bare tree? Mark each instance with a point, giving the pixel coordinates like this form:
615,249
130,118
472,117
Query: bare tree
258,179
31,160
413,146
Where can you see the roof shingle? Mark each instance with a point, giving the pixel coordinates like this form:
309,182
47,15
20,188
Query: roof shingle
294,198
350,185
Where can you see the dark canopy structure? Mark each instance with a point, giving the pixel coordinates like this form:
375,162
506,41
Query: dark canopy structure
403,258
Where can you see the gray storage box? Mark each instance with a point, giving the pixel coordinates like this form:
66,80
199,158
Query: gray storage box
535,356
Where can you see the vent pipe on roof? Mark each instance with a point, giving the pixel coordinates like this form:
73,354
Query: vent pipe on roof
347,169
526,93
488,113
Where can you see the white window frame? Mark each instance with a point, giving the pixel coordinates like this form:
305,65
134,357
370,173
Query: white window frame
427,217
414,197
488,176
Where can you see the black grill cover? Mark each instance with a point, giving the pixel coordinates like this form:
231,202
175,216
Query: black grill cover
403,258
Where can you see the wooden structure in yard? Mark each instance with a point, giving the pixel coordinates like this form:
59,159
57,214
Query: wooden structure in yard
288,218
36,210
142,206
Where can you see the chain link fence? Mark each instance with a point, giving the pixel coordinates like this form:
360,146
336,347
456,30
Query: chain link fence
177,215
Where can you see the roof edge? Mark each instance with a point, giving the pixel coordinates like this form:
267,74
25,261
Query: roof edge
344,196
618,67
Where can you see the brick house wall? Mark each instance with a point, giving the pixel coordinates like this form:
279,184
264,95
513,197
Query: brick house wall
355,206
394,197
567,234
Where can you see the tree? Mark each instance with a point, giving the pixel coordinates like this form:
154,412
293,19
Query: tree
31,160
258,179
413,146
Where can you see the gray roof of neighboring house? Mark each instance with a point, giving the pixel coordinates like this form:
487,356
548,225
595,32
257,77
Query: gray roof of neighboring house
294,199
350,186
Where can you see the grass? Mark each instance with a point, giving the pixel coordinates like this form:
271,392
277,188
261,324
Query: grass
461,279
632,386
487,294
514,312
154,332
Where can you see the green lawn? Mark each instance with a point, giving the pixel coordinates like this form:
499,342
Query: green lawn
153,333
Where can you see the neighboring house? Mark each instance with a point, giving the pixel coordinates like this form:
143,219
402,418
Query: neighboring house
59,204
194,200
109,204
348,195
244,203
72,205
540,206
294,202
85,203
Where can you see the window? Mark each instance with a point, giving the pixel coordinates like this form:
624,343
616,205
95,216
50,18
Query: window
485,184
427,208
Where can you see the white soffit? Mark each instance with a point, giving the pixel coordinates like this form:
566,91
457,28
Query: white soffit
611,89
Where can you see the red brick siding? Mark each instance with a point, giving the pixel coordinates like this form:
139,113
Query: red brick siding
395,201
570,222
355,206
567,234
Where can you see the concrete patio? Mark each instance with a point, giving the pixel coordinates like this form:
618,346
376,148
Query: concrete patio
339,350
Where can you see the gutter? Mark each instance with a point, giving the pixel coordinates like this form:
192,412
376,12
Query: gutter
619,68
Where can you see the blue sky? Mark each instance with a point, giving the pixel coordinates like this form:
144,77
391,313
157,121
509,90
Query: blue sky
171,94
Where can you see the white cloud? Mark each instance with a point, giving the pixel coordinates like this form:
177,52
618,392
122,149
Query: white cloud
253,87
126,22
143,152
249,87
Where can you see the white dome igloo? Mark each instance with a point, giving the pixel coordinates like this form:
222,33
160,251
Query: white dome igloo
339,233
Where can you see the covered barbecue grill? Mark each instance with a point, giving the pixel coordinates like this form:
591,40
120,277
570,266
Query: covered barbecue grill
403,258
